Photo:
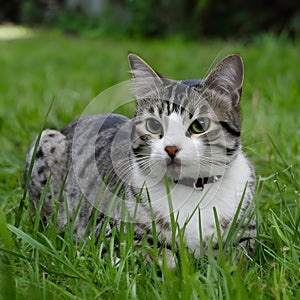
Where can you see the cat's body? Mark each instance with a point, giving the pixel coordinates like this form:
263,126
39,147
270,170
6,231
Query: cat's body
184,138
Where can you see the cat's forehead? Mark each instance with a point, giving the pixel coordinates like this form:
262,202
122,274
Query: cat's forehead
174,96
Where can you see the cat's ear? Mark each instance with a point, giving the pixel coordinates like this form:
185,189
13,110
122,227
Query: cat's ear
145,80
227,77
139,68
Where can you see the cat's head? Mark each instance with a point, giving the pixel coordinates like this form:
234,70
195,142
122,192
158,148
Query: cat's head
186,128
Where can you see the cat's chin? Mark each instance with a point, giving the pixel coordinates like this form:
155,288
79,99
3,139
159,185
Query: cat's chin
172,176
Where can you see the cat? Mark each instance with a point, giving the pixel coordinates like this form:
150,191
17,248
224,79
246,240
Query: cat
180,156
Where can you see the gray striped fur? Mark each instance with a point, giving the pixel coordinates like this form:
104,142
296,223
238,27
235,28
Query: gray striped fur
93,161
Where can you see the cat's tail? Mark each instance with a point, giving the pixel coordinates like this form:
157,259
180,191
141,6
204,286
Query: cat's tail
46,170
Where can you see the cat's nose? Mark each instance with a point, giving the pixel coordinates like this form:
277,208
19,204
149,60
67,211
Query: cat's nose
171,150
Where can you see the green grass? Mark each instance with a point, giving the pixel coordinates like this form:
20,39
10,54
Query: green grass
43,264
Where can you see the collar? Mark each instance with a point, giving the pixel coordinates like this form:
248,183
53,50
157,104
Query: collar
198,184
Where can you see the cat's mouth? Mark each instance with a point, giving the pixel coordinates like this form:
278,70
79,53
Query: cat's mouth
174,163
174,168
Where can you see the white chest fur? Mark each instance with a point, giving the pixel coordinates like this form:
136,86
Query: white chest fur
224,195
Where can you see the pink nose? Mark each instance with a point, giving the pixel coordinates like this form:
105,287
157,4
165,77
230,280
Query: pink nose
171,150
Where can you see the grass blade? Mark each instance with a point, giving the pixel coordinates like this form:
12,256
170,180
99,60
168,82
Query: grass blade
22,202
37,245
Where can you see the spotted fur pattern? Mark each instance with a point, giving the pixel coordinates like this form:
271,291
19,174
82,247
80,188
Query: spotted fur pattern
119,167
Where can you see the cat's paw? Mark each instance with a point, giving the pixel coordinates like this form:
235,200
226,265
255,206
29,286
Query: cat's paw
165,258
168,258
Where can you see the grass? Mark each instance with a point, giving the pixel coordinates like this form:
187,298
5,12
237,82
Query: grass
43,264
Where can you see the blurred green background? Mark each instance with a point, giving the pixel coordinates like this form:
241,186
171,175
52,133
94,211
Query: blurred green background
151,18
71,51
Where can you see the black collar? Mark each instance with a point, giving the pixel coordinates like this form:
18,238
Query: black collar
198,184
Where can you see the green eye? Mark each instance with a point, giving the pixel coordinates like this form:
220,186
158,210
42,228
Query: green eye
153,126
199,126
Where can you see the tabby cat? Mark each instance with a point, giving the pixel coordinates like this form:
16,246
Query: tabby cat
180,155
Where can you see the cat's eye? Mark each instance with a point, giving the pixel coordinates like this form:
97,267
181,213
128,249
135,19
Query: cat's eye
199,126
154,126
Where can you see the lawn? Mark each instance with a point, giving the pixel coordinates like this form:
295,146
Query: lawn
45,264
